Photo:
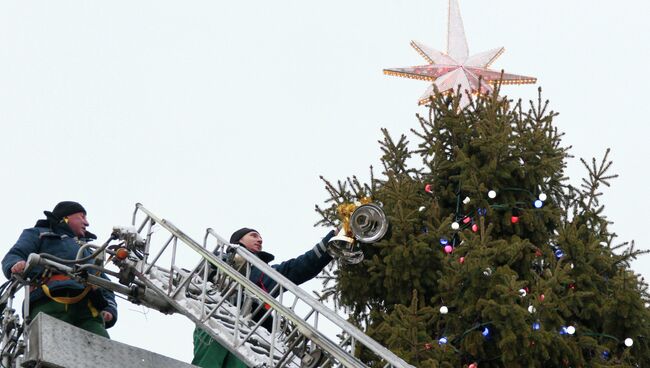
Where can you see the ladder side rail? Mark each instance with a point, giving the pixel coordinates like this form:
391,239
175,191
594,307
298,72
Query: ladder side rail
343,343
323,311
328,345
236,323
332,348
290,315
220,339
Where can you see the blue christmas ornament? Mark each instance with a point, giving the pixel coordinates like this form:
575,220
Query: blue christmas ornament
538,203
605,355
559,253
486,332
444,241
536,326
482,211
443,340
563,331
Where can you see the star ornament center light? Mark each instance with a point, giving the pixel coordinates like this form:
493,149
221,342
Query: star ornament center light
448,71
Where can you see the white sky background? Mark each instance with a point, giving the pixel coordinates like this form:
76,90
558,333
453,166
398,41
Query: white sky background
224,114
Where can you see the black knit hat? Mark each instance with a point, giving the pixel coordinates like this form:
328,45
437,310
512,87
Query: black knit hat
237,235
65,208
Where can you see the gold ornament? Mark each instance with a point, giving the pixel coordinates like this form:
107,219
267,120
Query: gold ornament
361,221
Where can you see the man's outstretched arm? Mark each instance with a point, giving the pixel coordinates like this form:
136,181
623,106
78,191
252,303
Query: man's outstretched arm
305,267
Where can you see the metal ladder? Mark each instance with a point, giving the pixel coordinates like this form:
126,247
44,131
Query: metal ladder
223,306
221,300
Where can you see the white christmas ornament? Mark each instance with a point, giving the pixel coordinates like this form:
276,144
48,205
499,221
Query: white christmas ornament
629,342
466,200
492,194
571,330
522,292
422,208
444,310
542,197
455,226
531,309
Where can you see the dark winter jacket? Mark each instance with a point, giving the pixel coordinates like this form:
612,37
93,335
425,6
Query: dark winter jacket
59,241
298,270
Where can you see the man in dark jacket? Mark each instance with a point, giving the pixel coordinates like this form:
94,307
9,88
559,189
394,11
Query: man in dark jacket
207,352
60,234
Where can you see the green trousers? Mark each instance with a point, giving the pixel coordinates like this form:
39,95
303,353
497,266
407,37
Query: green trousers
209,354
81,314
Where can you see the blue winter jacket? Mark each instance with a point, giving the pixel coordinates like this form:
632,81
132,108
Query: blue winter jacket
59,241
298,270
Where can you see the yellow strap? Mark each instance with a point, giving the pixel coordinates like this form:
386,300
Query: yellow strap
66,299
92,308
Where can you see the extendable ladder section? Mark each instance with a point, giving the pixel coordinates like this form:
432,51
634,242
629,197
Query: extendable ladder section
222,301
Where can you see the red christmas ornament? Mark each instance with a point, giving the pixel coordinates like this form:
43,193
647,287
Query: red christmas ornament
514,219
449,249
427,188
474,228
427,346
473,365
121,253
572,286
466,220
538,253
461,260
527,290
541,297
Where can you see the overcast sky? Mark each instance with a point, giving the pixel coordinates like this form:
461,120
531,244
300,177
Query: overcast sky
224,114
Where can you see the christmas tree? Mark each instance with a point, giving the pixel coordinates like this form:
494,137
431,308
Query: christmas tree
493,257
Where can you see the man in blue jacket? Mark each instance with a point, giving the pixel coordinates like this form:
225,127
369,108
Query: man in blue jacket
60,234
207,352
